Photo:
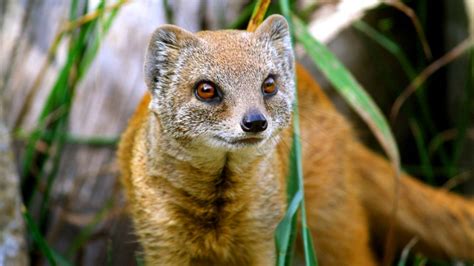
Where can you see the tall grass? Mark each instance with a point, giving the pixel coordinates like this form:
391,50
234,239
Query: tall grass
84,34
426,135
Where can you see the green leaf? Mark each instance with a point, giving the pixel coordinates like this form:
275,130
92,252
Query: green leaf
309,253
350,89
296,176
283,233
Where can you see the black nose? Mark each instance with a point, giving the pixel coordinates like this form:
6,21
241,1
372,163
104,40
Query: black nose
253,122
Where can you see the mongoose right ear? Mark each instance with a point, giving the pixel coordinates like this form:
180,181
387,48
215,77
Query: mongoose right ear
275,30
162,53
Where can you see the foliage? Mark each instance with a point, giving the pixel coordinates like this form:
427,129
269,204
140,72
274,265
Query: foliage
40,166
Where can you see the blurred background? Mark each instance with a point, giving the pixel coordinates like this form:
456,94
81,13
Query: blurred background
71,76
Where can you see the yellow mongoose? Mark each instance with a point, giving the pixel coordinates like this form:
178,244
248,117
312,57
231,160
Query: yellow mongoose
205,156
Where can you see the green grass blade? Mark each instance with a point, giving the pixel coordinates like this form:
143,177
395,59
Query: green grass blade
101,29
139,260
57,105
309,253
423,152
53,120
350,89
297,162
283,233
388,45
466,112
169,15
406,252
258,14
52,257
73,9
393,48
92,141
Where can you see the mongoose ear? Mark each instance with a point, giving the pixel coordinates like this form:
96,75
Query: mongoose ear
275,29
162,53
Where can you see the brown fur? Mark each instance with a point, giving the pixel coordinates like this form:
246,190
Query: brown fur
200,202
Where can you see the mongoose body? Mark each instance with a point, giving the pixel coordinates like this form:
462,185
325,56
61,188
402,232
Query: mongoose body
205,157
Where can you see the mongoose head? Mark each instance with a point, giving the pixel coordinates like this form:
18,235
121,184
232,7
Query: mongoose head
222,89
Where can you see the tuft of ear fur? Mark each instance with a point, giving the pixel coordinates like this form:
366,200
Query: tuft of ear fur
274,27
275,30
162,53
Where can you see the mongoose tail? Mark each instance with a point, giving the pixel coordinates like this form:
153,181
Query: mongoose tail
352,175
442,221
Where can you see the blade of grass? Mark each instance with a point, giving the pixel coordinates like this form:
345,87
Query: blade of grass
73,9
465,112
79,59
72,77
285,232
56,158
423,152
410,72
102,30
95,15
309,252
350,89
109,253
258,14
66,29
395,50
139,260
460,49
87,54
416,23
406,251
420,260
360,101
83,47
60,97
388,44
168,12
52,257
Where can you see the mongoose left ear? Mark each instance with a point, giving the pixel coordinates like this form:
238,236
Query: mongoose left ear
163,51
276,30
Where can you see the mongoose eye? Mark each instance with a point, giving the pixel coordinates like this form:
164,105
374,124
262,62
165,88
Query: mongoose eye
269,87
207,92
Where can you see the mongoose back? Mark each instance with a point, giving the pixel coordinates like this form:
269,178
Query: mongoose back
205,157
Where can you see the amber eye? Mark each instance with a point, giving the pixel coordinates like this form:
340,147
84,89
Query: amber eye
269,87
207,92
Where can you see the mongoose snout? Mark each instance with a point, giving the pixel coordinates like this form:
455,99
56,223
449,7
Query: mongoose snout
253,121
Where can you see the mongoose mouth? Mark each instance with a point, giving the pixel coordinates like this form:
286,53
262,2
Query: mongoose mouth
241,141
